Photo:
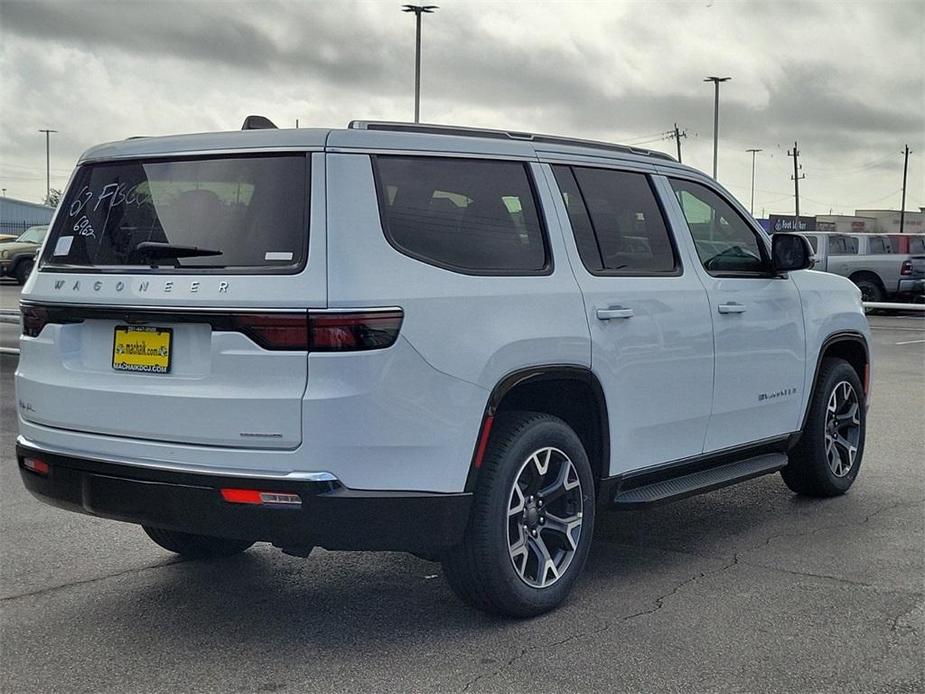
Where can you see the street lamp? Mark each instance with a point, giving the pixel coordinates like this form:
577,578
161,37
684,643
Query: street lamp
418,11
716,81
47,163
754,152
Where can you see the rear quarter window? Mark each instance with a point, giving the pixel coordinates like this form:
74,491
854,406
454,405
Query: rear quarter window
468,215
244,213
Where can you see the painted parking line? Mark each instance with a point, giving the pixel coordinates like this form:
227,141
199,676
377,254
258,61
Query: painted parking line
910,342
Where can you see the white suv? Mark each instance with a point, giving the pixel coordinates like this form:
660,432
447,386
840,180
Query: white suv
453,342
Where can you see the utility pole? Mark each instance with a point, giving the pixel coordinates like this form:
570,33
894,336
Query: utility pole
716,81
902,209
418,11
47,162
754,152
795,153
677,135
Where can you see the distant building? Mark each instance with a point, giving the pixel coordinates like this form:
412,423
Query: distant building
18,215
861,222
887,221
845,224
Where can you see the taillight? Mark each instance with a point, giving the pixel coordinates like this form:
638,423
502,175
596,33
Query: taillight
906,268
321,332
349,332
34,318
275,330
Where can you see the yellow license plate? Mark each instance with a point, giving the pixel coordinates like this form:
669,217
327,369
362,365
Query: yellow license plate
142,348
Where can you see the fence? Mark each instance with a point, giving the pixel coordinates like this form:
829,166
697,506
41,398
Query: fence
8,227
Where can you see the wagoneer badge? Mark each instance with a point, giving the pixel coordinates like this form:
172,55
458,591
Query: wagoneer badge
143,286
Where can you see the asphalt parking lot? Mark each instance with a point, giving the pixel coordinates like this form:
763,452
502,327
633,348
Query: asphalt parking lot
746,589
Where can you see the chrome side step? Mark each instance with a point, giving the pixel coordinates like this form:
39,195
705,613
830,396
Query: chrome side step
697,482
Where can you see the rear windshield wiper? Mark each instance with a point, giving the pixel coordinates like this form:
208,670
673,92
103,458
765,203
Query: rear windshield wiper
155,249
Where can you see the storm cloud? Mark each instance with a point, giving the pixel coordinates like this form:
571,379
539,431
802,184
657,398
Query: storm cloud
845,79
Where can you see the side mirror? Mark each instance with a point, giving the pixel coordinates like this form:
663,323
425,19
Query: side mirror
790,252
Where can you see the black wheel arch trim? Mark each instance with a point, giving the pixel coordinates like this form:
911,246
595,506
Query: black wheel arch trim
535,374
835,338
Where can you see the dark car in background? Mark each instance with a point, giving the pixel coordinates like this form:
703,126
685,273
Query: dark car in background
18,257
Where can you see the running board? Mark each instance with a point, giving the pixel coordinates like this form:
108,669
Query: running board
699,482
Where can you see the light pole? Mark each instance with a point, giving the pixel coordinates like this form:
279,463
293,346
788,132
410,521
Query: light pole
754,152
418,11
47,162
716,81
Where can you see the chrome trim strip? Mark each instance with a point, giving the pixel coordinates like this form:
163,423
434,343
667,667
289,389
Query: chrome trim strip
192,469
161,308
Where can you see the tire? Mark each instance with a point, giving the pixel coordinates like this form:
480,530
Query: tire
196,546
482,570
817,467
870,289
23,269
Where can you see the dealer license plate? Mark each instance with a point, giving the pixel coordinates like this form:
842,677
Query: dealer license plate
142,348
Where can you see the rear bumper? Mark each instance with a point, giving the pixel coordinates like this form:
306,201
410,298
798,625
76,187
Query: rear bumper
912,286
331,515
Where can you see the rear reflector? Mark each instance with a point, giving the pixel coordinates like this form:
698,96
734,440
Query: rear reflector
36,465
483,441
260,498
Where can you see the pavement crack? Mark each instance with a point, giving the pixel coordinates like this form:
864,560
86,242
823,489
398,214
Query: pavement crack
825,528
904,629
62,586
828,577
660,601
524,651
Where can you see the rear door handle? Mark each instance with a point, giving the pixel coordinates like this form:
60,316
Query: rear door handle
731,307
614,312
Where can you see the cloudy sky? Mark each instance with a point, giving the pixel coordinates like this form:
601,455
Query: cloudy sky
845,79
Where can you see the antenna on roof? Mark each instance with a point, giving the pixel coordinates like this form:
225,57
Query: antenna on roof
258,123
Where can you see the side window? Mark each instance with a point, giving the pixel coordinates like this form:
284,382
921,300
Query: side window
618,225
725,242
814,242
917,245
843,245
878,245
469,215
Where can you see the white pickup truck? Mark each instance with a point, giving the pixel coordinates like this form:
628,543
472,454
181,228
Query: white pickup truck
870,261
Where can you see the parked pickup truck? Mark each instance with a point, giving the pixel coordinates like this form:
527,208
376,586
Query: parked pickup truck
870,262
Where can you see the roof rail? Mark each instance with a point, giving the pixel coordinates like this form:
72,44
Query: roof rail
461,131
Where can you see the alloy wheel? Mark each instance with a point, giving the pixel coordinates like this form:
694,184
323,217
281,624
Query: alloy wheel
544,517
842,428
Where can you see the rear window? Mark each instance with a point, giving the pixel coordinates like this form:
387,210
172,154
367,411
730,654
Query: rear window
247,212
469,215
